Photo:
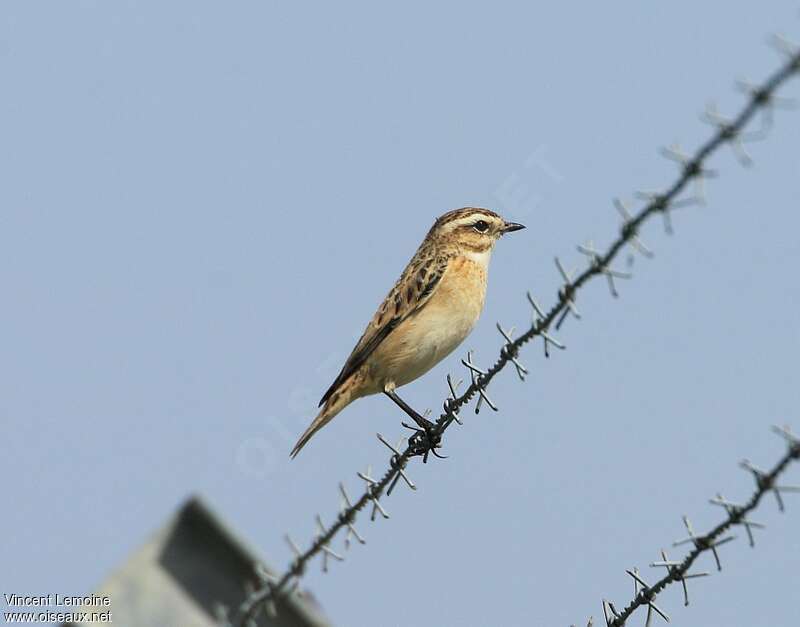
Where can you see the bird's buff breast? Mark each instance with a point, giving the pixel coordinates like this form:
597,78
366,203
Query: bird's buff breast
428,336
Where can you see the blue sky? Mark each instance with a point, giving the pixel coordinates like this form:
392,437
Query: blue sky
203,203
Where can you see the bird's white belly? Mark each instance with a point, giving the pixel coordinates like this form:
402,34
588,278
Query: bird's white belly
423,340
430,338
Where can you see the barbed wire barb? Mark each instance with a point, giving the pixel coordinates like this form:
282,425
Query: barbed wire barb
346,505
643,591
327,551
657,200
510,351
737,515
609,612
539,320
596,260
762,479
477,375
566,294
292,545
398,463
786,433
370,493
730,133
673,568
691,167
700,543
785,47
448,403
630,230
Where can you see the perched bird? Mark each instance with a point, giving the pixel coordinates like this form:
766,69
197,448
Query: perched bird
426,315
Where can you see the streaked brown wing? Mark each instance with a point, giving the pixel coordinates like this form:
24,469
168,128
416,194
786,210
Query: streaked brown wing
412,290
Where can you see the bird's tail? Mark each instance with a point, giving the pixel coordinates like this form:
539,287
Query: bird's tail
336,403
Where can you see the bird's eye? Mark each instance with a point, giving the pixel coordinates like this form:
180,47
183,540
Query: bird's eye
481,226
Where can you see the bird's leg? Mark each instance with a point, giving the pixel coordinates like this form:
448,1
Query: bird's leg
427,438
424,424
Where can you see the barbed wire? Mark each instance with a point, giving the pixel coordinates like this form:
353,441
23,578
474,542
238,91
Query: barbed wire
644,595
427,439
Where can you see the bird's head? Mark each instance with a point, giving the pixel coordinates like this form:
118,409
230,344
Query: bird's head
472,229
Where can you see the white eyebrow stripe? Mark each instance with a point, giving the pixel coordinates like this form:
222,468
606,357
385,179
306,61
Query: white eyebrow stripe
470,219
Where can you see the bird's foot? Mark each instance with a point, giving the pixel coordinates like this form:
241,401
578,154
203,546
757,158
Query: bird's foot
426,439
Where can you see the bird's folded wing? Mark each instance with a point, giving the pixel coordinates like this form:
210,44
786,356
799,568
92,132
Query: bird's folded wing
413,289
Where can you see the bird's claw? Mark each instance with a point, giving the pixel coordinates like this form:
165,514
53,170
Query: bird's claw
426,438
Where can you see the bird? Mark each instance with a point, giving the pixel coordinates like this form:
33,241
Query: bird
431,309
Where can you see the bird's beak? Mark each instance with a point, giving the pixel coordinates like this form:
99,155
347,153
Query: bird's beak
510,227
